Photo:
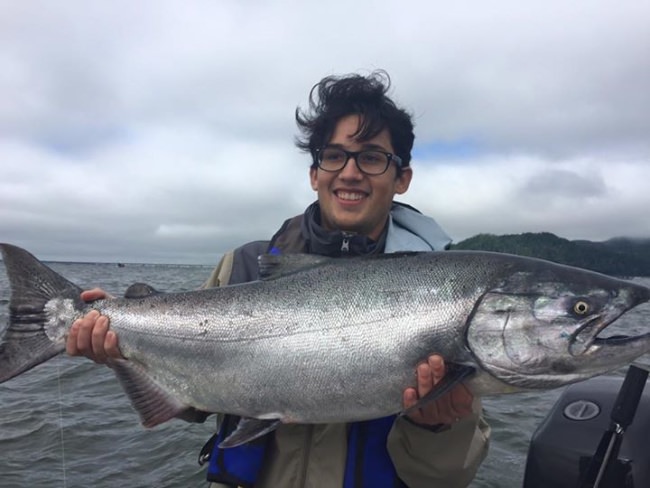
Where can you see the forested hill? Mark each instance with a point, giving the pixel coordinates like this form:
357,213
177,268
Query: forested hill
619,256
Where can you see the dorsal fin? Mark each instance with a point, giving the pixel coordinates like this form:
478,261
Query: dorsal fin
273,266
140,290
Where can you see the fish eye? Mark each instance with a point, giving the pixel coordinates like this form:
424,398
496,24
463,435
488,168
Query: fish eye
581,307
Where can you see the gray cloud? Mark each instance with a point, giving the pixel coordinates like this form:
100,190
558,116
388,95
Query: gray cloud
550,183
155,132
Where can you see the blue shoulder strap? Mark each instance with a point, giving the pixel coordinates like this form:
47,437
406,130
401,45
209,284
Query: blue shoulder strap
368,464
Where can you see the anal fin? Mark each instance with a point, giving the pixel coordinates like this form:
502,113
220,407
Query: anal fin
153,404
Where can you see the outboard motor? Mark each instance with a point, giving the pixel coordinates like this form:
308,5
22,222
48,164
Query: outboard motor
584,441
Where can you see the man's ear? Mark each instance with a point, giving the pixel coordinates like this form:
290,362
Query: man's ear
313,173
404,180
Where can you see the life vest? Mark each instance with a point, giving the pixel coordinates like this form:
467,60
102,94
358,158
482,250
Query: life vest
367,465
239,465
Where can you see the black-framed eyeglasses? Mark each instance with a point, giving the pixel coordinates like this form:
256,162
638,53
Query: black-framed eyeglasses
370,162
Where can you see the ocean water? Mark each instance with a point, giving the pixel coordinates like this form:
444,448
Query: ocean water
67,423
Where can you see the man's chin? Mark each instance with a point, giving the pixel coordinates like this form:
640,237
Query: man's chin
353,226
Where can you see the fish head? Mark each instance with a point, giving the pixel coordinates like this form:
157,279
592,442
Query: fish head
539,328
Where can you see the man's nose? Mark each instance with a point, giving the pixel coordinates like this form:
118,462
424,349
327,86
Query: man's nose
350,170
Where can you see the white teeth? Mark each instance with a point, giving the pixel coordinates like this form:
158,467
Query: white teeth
345,195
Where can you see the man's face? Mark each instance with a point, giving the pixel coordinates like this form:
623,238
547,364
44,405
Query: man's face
350,200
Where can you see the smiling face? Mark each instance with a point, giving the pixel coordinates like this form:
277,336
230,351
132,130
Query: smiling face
350,200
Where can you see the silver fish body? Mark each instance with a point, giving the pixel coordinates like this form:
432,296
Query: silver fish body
336,340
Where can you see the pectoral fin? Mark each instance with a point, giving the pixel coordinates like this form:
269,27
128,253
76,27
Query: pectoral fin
455,374
249,429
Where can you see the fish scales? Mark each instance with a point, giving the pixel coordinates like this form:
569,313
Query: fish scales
259,350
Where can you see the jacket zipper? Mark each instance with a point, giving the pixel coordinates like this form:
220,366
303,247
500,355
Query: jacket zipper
345,243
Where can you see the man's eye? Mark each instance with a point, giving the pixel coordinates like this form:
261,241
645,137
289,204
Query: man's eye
372,158
332,156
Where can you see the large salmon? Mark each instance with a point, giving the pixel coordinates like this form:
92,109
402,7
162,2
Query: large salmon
335,340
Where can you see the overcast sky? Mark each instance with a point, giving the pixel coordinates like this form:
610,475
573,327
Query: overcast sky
160,131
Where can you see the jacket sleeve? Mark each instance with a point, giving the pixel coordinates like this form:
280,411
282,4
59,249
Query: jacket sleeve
237,266
220,275
447,459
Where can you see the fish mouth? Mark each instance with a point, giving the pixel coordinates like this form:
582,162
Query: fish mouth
587,334
618,340
590,336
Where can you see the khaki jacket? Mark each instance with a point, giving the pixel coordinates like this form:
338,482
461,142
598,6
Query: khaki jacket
313,456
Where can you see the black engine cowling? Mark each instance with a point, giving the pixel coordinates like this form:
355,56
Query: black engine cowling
566,440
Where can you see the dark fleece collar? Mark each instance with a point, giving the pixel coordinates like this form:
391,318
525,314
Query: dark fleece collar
336,243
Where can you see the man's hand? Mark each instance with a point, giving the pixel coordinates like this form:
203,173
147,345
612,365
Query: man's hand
90,335
449,408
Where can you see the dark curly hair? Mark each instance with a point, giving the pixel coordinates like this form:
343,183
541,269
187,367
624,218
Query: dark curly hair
336,97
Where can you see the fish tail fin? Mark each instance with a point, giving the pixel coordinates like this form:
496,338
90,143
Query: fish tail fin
41,309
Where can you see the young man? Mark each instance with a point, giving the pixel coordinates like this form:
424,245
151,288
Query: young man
360,143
